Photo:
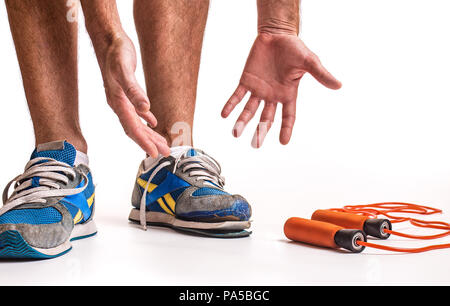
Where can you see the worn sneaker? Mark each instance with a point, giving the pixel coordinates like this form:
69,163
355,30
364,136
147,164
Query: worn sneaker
185,192
51,205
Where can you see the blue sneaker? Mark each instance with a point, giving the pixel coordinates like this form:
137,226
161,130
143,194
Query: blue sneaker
51,205
185,191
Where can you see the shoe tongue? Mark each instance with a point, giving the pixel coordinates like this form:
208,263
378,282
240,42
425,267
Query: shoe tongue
185,151
59,150
192,152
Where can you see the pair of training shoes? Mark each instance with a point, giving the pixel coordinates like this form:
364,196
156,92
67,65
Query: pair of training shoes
53,201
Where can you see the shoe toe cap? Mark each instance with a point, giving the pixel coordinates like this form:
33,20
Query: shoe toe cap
217,207
40,227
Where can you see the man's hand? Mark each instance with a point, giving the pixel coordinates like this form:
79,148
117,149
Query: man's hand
128,99
272,73
117,60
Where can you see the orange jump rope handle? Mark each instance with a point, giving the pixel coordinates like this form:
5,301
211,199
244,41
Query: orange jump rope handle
372,227
323,234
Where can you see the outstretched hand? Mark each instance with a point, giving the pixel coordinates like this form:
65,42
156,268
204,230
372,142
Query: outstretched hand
128,99
274,67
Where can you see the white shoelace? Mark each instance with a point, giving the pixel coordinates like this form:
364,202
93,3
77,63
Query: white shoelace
202,167
50,172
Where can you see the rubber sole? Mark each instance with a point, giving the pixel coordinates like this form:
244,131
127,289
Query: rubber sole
225,229
14,246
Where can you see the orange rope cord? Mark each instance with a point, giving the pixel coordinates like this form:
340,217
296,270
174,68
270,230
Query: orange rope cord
417,237
404,250
387,208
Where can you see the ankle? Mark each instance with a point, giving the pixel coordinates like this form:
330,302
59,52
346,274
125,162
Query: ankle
78,141
178,140
79,144
179,134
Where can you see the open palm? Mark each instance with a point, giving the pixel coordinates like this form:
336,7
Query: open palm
274,67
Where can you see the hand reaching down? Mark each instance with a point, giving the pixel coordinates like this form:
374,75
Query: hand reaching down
128,99
274,67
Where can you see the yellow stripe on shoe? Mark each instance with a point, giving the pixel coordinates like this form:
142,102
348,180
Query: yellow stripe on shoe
78,217
143,184
170,201
90,201
164,207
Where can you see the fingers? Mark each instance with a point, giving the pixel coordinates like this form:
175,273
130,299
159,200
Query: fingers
149,117
234,100
160,143
130,90
136,95
266,120
247,114
133,90
318,71
163,148
137,132
287,123
150,141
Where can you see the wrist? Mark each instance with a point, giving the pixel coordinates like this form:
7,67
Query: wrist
102,23
103,40
104,37
277,26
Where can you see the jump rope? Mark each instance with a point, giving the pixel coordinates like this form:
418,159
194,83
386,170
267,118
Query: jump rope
348,227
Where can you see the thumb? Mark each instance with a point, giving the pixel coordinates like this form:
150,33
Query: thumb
318,71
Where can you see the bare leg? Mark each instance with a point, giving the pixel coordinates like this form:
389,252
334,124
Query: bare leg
46,46
171,36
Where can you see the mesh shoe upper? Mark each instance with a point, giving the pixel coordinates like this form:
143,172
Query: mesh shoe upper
46,215
49,198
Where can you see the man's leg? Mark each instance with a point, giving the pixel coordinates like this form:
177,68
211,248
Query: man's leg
53,200
46,46
171,36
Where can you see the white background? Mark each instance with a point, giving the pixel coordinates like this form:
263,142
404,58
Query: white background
383,137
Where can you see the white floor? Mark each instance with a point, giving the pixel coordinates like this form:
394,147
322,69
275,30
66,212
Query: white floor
122,253
383,137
